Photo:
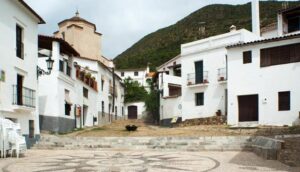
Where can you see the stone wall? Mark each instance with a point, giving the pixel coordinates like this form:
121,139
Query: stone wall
215,120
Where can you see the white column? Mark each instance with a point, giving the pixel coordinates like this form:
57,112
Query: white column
55,54
280,25
255,17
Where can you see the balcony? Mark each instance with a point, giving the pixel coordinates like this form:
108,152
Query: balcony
193,81
222,75
23,97
87,79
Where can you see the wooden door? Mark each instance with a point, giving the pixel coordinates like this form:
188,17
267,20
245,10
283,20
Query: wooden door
132,112
248,108
199,72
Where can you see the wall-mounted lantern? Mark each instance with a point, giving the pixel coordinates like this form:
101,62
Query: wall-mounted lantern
41,71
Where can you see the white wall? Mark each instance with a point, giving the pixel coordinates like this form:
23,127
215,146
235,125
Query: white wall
140,106
103,93
245,79
170,107
213,53
11,14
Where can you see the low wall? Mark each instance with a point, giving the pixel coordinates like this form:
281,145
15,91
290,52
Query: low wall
56,124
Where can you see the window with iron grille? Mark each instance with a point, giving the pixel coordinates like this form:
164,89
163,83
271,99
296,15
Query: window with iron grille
284,101
136,73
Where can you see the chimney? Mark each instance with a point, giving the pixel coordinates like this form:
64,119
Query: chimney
232,28
255,17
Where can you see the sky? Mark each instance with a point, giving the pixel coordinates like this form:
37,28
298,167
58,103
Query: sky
122,22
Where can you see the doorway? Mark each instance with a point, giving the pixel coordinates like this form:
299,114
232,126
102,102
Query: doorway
248,108
132,112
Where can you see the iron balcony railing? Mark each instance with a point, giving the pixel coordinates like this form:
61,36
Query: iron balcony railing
193,80
24,96
222,74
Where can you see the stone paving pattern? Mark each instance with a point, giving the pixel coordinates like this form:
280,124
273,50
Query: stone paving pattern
139,161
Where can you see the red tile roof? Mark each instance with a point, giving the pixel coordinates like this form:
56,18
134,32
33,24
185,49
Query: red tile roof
65,47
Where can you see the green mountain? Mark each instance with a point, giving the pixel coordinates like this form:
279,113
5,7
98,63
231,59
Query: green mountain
164,44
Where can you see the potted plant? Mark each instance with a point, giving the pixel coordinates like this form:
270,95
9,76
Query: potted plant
205,81
222,78
131,127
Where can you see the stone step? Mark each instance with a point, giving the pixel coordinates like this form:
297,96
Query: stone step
160,143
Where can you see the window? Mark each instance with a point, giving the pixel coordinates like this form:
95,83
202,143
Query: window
199,99
19,42
85,93
122,74
68,103
102,104
61,66
280,55
68,70
67,109
136,73
102,84
31,129
284,101
294,23
122,111
174,90
247,57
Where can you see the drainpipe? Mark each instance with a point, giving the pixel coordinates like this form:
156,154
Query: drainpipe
114,85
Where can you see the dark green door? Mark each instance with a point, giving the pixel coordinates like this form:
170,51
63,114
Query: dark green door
199,72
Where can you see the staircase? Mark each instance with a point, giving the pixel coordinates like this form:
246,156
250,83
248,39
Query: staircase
223,143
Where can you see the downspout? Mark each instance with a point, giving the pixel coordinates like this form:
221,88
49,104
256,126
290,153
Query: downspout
114,85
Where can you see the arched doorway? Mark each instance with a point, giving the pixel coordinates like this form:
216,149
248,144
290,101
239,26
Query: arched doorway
132,112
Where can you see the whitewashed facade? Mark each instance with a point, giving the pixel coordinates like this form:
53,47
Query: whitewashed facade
104,99
170,86
18,74
140,75
204,74
66,101
263,87
136,110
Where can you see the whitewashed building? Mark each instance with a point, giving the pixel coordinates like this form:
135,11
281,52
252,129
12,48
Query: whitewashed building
140,75
262,83
136,110
204,74
170,86
107,96
85,39
66,96
18,67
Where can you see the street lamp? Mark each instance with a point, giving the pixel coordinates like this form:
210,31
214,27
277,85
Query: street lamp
41,71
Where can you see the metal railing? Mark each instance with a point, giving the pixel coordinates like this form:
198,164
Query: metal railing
192,80
24,97
222,74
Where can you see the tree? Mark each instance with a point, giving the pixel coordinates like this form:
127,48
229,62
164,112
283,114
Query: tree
134,91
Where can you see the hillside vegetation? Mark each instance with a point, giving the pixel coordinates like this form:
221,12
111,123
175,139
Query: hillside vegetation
164,44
